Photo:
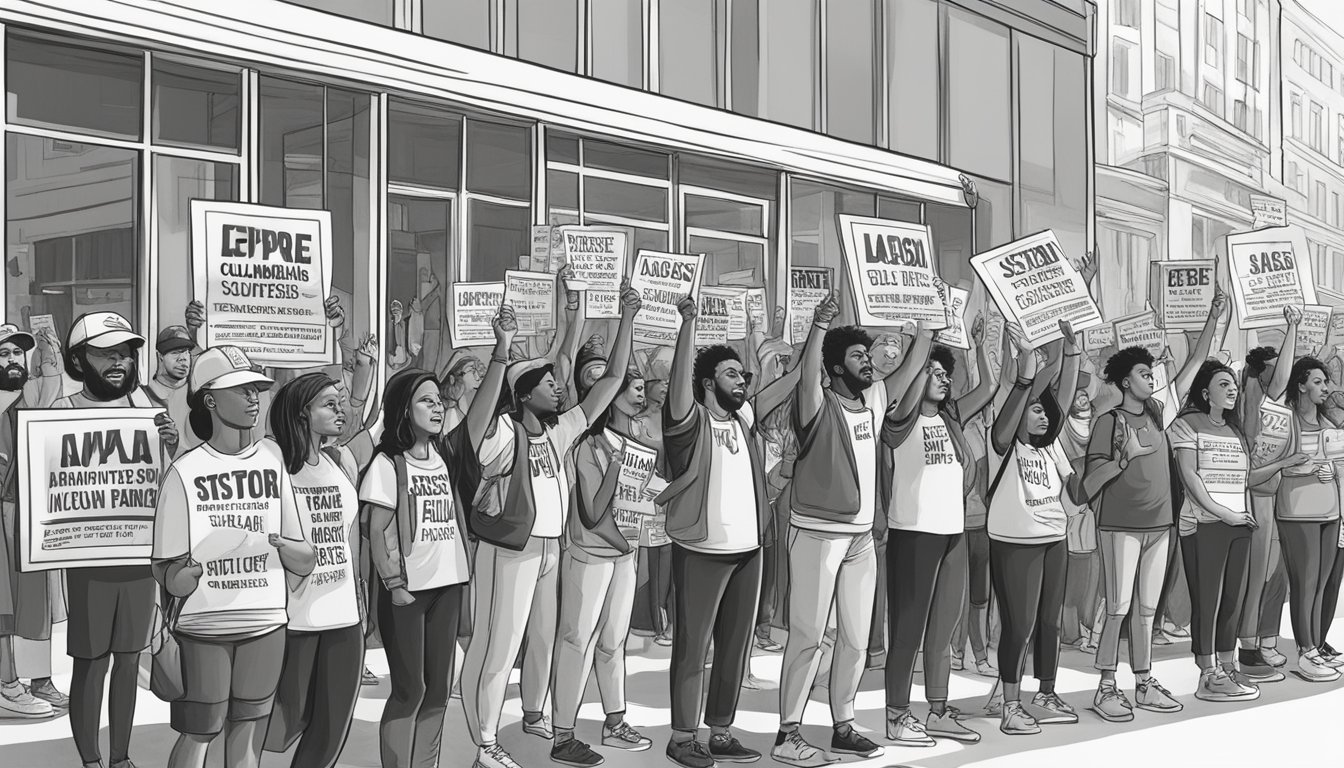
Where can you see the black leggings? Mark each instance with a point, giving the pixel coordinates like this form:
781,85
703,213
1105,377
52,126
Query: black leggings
86,698
1331,596
926,584
1029,584
1217,559
1309,550
315,699
420,649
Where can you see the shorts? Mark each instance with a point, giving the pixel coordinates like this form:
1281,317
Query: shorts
112,610
227,679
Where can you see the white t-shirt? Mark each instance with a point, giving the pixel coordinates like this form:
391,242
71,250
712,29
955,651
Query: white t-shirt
221,510
437,555
860,430
1027,507
730,501
329,516
926,493
548,468
1221,463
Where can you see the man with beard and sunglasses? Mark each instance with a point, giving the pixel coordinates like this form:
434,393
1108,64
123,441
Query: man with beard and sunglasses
112,608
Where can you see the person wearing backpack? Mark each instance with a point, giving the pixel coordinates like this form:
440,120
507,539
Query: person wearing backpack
413,494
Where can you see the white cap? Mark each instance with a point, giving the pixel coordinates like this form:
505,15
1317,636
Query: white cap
516,370
224,367
102,330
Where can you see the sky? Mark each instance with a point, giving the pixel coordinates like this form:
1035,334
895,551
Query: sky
1329,11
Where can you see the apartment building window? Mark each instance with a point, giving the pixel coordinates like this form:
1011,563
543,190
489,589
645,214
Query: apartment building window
1337,276
1318,205
617,44
1316,129
1296,116
850,70
1334,207
373,11
776,77
1244,58
1247,8
979,98
1213,98
688,51
1292,176
1164,72
912,53
1166,44
545,32
1239,117
465,22
1120,58
1213,41
1339,140
1127,13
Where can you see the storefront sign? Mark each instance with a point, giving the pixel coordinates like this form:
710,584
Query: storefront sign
1036,286
1141,330
532,296
956,334
1182,292
597,258
633,501
471,315
663,280
1313,330
263,274
88,486
808,286
1268,211
1099,337
891,272
1270,271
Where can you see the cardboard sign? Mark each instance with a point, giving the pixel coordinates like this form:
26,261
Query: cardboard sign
808,286
471,313
1314,329
663,280
1270,270
1035,285
891,272
956,334
1141,331
1181,292
532,296
263,274
1268,211
88,486
1099,337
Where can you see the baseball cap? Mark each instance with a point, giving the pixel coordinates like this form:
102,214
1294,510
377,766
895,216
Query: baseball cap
224,367
173,338
102,330
21,339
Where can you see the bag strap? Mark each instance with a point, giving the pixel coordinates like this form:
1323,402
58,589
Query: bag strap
994,486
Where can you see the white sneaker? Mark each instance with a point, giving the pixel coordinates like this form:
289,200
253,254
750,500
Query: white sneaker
1312,668
494,756
797,752
907,731
17,702
1217,685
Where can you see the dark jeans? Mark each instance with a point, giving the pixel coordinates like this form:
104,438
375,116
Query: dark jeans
973,626
1309,550
715,598
1029,582
315,700
1080,595
926,583
1217,559
654,596
419,639
765,607
1273,599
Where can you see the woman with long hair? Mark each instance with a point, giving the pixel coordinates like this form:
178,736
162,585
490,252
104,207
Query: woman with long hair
324,644
458,388
413,493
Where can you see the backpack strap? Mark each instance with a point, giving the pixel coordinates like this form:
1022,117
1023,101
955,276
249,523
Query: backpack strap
994,486
406,515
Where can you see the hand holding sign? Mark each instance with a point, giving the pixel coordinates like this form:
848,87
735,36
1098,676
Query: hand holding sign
630,300
184,581
1088,266
688,307
1219,303
195,316
167,429
978,331
1070,338
566,277
505,326
1292,315
336,313
826,310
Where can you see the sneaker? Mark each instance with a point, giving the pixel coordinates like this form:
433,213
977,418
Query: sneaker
622,736
573,752
1244,680
984,669
1180,633
754,683
1016,722
726,748
1160,638
1217,685
947,727
17,702
1334,662
1313,670
48,693
689,754
794,750
1272,656
124,764
1150,695
1050,709
371,679
768,644
1328,651
541,728
1111,705
494,756
907,731
958,662
1255,666
847,741
994,706
664,640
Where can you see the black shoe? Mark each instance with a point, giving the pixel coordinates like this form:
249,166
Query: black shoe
1328,652
689,754
573,752
730,750
847,741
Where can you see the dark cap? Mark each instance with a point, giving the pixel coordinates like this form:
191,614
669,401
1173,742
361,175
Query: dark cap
173,338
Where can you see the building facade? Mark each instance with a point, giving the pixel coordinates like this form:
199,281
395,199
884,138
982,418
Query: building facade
437,132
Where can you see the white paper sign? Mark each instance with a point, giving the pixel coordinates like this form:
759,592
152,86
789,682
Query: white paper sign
1313,330
632,501
1182,292
1222,465
756,309
1035,285
891,272
1099,337
808,286
263,274
472,313
1268,211
1270,270
597,259
532,296
540,250
1275,428
956,334
663,280
1141,331
711,325
39,323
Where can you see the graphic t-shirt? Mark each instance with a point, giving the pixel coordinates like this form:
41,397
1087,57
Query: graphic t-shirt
220,509
1139,499
861,432
1027,507
329,517
927,487
730,499
436,556
547,468
1221,463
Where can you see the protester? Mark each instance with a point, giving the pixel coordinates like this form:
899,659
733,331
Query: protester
169,385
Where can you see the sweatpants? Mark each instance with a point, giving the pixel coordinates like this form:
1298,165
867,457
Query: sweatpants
926,584
826,569
1029,582
1217,558
419,641
877,628
315,699
1133,568
1309,550
517,596
714,598
597,596
1173,605
974,618
1259,568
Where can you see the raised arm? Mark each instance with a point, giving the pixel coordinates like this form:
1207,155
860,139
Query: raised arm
1185,378
604,390
481,414
1283,367
975,401
809,391
1047,378
1068,378
776,393
912,365
569,343
681,384
1010,415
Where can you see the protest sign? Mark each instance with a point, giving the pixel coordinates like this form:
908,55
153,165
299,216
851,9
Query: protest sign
663,280
540,251
472,313
1181,292
632,501
1275,428
1313,330
1332,444
1268,211
715,322
88,486
39,323
263,274
1222,464
891,272
532,296
1335,337
1269,270
1141,330
956,334
1100,337
653,530
596,258
808,286
1036,286
756,309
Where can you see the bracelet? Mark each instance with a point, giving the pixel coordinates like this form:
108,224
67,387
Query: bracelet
497,359
396,582
1071,354
572,307
1023,384
817,324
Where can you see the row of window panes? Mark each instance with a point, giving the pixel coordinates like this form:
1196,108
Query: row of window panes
1315,64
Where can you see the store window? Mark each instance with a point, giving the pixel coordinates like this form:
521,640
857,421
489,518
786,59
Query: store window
420,236
815,233
728,213
617,41
912,77
499,159
688,51
850,67
177,181
372,11
195,106
424,145
979,105
545,32
499,195
597,183
64,86
785,64
1052,142
465,22
72,229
